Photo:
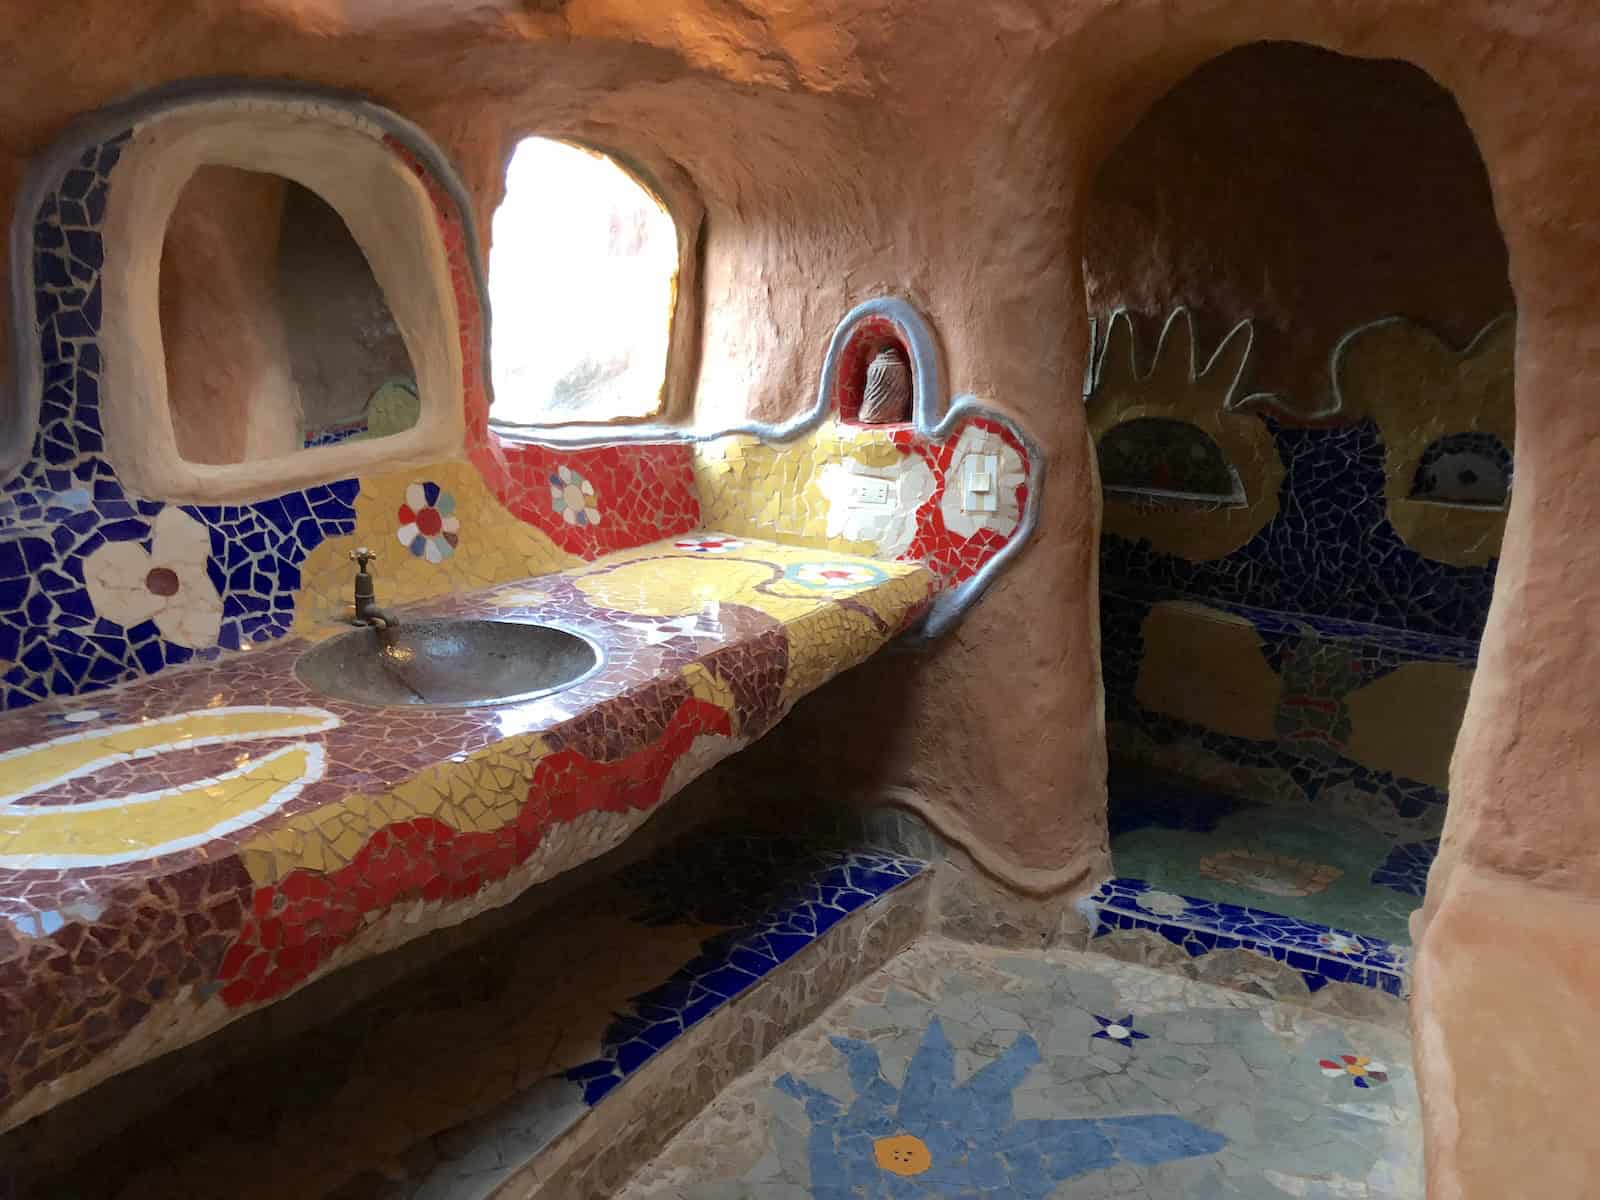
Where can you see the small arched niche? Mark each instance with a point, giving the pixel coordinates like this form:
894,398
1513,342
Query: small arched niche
271,282
870,340
883,332
266,270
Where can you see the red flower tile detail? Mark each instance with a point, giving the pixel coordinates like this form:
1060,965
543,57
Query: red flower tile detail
948,555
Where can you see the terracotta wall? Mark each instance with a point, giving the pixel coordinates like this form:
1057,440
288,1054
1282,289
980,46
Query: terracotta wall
1307,190
836,160
343,340
221,322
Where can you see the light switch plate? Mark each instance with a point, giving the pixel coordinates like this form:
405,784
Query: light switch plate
980,490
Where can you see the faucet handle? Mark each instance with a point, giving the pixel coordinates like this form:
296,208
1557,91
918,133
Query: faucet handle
361,556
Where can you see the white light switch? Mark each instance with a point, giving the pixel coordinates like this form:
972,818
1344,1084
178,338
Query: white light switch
979,488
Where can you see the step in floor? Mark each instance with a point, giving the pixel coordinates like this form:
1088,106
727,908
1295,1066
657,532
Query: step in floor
1326,891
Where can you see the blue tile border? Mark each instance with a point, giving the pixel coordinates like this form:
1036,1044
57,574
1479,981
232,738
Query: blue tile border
1201,926
780,893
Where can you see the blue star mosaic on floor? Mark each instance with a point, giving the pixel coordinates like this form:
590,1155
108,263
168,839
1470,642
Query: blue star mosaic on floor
933,1137
66,503
779,893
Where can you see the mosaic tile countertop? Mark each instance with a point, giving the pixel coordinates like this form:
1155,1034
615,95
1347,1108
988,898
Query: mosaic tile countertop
179,850
962,1072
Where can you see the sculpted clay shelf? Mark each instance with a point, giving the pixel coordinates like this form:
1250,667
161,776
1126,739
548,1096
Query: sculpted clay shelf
182,849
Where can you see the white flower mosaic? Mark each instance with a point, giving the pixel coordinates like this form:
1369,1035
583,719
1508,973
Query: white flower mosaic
167,584
1339,943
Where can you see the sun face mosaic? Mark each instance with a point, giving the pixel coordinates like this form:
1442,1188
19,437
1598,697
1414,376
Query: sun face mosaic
1361,589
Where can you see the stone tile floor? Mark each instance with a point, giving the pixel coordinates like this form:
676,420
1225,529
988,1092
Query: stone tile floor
964,1072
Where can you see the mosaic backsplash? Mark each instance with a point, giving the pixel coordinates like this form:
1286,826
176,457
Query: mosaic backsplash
158,877
98,586
1280,585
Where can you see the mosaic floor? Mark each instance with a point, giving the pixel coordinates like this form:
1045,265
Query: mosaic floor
958,1072
1355,872
443,1082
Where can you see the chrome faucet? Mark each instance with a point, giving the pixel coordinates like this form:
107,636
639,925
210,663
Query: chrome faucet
367,610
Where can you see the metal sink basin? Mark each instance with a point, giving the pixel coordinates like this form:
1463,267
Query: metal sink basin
448,662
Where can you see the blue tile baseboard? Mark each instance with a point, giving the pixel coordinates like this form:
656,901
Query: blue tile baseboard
1321,954
780,893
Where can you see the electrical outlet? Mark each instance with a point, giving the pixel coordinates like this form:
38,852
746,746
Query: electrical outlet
868,491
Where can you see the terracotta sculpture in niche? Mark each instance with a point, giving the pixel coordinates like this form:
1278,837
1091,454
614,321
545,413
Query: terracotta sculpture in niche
886,398
871,348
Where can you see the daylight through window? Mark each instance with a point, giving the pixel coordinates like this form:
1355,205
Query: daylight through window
582,282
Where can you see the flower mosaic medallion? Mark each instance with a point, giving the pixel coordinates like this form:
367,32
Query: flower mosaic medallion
828,576
1339,943
1274,874
934,1137
1362,1071
572,497
428,526
1122,1031
711,544
168,584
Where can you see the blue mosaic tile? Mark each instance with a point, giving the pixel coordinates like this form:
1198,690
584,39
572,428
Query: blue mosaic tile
1334,593
1406,868
778,893
67,502
1321,954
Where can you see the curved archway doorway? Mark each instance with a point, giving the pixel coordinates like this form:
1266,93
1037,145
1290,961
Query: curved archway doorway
1299,286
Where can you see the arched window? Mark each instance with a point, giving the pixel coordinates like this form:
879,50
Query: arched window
583,282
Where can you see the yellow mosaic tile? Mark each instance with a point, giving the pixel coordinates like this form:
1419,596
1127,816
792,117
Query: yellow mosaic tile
494,547
752,489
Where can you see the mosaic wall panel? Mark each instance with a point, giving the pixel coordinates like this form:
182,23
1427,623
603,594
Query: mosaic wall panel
187,847
883,492
1339,604
98,587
